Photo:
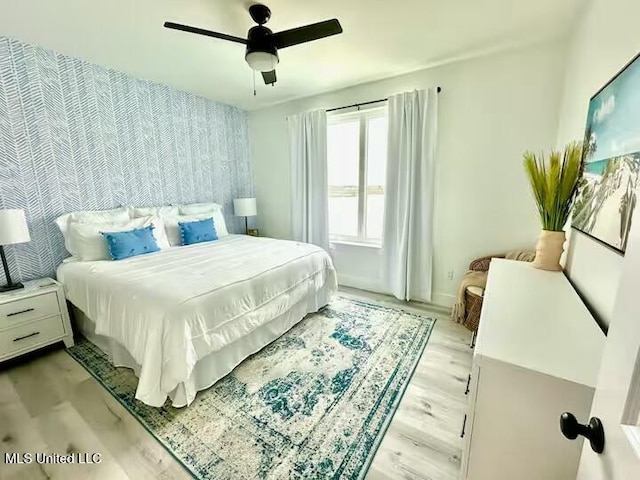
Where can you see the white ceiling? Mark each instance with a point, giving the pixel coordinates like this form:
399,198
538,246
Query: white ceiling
380,39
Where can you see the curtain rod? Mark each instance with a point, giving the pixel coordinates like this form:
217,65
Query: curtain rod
438,90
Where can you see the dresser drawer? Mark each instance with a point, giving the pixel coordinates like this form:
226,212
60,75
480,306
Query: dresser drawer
27,309
30,335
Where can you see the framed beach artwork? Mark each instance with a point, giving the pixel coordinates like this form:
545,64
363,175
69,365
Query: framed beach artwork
607,189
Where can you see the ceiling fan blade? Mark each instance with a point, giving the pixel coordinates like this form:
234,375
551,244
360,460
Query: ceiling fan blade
308,33
269,77
201,31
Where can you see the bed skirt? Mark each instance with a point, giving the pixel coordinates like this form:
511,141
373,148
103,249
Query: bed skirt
216,365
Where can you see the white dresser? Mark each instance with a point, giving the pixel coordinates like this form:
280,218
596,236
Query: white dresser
33,317
537,355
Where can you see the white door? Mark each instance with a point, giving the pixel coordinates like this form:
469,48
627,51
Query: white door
617,398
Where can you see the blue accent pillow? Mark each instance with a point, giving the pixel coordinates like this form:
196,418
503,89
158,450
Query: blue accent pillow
198,231
134,242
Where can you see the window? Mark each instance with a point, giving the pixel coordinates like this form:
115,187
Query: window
357,161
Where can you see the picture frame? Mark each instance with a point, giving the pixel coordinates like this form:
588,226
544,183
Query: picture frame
607,195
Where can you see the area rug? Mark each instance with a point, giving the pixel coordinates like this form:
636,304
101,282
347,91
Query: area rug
313,404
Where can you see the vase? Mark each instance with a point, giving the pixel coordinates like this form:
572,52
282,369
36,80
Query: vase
549,250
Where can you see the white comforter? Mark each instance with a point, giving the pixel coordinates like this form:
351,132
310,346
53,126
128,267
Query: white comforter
172,308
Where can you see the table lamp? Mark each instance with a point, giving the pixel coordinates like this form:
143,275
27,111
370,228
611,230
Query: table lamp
13,229
245,207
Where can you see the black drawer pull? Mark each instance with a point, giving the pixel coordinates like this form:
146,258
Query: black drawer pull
466,391
20,312
26,336
464,424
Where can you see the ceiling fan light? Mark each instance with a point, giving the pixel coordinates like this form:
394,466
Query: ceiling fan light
262,61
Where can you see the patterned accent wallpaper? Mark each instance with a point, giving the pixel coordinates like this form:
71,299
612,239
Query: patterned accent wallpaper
76,136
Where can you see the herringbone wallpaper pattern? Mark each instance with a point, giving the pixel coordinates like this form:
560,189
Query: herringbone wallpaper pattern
76,136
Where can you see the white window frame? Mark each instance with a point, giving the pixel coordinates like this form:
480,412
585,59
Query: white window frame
363,115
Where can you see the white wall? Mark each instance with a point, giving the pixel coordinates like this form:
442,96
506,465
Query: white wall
492,109
604,40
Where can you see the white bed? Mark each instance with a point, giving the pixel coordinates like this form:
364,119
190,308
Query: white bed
184,317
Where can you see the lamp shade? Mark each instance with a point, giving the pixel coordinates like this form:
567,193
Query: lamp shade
13,227
245,207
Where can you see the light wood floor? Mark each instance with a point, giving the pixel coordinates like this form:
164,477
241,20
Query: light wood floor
49,403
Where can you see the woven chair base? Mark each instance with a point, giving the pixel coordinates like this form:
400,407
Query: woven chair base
473,307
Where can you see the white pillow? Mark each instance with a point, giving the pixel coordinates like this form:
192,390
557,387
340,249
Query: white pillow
86,243
120,214
198,208
161,212
219,223
206,210
159,232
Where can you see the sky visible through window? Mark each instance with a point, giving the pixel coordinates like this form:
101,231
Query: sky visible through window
344,163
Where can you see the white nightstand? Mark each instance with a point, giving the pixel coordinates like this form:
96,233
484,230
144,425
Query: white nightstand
33,317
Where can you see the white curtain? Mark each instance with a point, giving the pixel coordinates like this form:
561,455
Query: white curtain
409,194
310,193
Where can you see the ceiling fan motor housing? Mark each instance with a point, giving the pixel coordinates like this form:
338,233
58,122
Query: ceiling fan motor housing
259,40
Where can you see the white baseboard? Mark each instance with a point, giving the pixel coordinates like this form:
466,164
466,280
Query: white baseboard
371,285
443,299
438,299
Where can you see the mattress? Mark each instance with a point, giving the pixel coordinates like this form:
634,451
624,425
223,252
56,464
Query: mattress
174,308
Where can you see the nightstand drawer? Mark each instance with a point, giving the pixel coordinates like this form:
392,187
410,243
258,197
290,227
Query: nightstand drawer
27,336
31,308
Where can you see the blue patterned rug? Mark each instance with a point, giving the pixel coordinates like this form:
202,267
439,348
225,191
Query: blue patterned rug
313,404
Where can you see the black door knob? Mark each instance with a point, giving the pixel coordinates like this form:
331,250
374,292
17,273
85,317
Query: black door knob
593,431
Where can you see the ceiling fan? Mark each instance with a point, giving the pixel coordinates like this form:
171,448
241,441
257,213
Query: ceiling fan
262,44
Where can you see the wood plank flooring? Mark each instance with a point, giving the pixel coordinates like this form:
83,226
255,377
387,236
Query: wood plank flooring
49,403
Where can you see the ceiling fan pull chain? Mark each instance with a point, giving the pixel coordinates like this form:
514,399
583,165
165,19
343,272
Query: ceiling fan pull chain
254,83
